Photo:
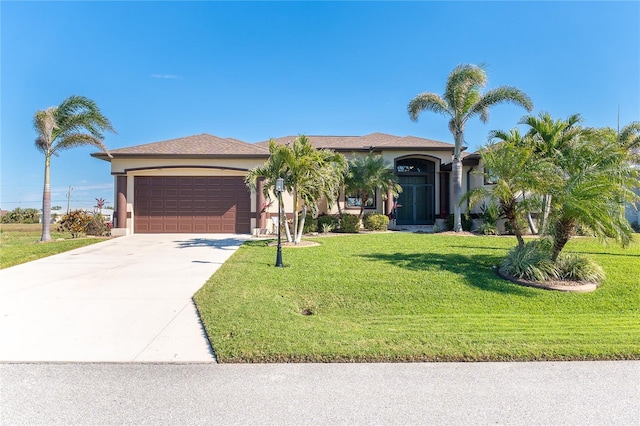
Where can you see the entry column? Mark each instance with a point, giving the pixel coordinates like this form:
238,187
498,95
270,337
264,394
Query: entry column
260,204
121,202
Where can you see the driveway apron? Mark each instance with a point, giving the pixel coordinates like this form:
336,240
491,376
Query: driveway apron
123,300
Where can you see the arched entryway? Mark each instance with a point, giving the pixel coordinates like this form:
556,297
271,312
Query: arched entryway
417,201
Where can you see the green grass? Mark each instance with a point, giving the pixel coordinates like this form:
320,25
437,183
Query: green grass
19,243
413,297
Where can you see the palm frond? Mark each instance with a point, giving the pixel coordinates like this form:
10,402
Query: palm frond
630,136
463,82
45,124
499,95
79,139
427,102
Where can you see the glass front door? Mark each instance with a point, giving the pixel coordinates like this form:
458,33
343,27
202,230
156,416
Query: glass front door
416,202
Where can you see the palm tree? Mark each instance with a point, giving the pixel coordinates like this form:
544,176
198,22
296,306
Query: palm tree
514,138
551,139
368,174
309,174
597,180
77,121
516,172
461,101
629,138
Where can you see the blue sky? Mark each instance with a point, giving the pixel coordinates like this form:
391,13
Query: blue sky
251,71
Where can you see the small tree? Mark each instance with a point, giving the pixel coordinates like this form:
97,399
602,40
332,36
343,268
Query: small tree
366,175
515,172
309,174
597,181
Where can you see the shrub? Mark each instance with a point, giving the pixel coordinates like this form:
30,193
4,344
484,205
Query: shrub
310,224
327,227
98,227
20,215
75,223
375,222
350,223
467,223
439,228
579,268
489,215
327,220
531,262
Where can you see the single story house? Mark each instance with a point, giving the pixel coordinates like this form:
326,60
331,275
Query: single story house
196,184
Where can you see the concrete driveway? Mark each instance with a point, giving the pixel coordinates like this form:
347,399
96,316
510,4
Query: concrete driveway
122,300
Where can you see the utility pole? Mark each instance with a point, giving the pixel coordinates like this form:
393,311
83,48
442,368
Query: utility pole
69,198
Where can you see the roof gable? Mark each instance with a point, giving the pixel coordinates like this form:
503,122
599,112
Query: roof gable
197,145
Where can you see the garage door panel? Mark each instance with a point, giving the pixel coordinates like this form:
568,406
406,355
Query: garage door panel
191,204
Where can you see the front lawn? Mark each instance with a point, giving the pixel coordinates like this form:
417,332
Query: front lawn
414,297
19,243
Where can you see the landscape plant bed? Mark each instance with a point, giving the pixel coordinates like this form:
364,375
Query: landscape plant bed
19,243
577,286
398,297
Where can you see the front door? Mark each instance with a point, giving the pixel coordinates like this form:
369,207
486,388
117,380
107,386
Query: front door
415,202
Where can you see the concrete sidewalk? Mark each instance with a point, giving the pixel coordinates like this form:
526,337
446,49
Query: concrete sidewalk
122,300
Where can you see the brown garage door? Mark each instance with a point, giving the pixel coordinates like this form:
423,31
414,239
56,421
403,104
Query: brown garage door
184,204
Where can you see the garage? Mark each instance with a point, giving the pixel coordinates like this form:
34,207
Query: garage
191,204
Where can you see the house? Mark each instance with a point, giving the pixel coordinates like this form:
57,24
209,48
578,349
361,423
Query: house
196,184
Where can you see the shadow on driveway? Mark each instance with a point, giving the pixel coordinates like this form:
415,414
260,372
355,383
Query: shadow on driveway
222,244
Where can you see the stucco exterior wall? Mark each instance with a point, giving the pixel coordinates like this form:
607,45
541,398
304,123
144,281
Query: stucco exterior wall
161,166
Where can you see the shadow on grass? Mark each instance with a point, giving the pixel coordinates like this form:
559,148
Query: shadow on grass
604,254
475,271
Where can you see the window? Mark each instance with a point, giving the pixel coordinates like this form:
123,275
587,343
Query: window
355,200
489,177
415,165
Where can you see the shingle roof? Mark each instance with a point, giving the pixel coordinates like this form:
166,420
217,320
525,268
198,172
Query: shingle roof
373,141
206,145
197,145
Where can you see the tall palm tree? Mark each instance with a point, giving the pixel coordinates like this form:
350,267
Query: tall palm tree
366,175
461,101
309,174
77,121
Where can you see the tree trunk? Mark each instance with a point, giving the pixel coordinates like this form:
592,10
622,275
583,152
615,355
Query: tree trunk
301,225
457,194
295,213
338,203
532,225
544,226
284,222
510,214
46,201
564,231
